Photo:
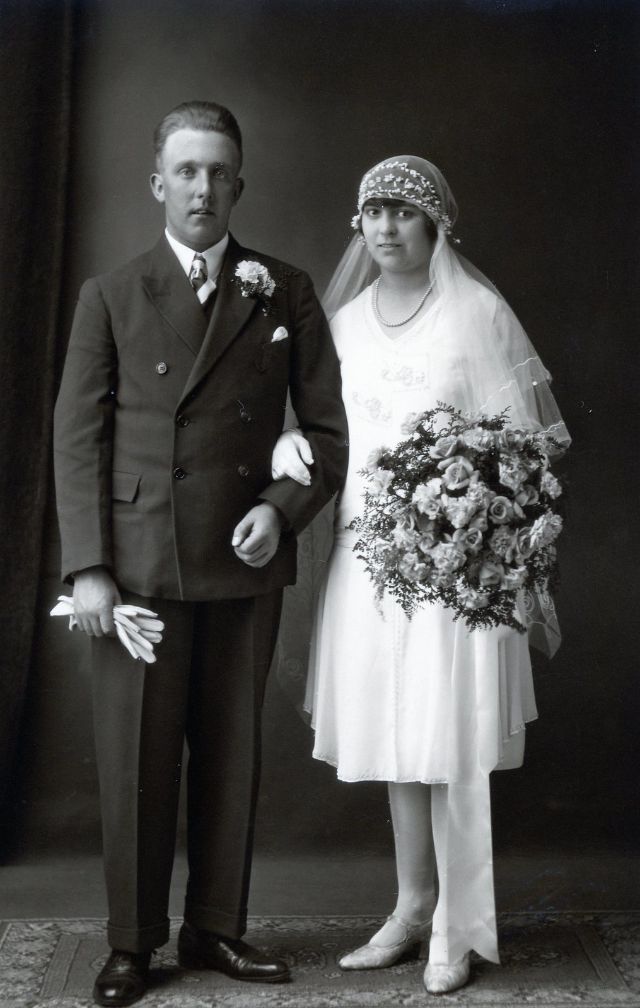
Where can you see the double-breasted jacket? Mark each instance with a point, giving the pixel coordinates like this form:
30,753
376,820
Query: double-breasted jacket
165,424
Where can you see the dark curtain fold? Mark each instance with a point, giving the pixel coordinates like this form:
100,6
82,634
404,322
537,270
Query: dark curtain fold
35,82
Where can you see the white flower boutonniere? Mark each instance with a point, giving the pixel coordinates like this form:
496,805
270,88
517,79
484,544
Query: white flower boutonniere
254,280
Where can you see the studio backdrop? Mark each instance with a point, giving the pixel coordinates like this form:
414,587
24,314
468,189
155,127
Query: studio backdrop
526,106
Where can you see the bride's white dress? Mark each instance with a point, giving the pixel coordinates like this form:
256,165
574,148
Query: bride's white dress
424,699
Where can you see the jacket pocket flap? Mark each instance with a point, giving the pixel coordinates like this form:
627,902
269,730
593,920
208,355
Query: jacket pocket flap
125,486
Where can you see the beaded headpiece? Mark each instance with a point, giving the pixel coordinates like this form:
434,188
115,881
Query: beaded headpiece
406,177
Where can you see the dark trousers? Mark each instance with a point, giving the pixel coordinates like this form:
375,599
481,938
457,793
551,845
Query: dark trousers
208,686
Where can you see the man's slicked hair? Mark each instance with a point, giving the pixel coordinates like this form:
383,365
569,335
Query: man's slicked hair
197,115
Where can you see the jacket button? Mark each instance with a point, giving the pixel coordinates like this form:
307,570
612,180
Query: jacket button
161,367
243,470
179,473
244,416
182,421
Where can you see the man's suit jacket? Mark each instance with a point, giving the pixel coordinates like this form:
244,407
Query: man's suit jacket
164,425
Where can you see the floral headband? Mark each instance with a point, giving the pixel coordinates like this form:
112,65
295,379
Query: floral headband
397,179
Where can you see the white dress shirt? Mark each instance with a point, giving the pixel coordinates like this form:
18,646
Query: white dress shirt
213,257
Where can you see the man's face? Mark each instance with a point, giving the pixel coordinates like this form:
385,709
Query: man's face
197,180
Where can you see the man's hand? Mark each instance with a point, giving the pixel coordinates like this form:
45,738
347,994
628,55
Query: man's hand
94,595
255,539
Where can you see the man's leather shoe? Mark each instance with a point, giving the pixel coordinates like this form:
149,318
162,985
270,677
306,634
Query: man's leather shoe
206,950
123,979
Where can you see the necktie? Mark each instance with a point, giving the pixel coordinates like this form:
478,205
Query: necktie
198,272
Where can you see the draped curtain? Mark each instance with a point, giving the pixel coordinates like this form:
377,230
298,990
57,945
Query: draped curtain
35,80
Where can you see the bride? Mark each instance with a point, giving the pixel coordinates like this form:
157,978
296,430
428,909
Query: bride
423,704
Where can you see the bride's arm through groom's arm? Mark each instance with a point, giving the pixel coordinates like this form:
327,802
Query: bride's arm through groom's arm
292,457
316,396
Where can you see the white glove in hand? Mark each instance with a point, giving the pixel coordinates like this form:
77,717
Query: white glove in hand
137,628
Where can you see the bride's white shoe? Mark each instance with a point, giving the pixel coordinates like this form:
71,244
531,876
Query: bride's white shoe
377,956
442,978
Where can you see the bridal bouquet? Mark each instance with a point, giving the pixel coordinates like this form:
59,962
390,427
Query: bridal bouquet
462,512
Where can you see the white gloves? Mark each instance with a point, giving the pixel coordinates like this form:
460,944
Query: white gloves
292,457
137,628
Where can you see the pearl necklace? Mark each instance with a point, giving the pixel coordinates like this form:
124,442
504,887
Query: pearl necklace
394,325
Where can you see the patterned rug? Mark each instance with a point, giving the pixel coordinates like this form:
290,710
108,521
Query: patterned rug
558,960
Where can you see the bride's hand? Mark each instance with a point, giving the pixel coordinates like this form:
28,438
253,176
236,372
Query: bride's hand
291,457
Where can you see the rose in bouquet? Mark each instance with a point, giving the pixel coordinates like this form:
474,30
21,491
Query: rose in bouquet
464,512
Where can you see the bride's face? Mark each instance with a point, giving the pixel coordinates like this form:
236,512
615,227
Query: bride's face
397,235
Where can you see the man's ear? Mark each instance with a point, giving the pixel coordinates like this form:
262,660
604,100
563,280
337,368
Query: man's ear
157,186
238,188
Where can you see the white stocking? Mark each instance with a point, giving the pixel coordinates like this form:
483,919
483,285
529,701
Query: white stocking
415,857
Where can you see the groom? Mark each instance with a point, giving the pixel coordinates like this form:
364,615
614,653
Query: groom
172,399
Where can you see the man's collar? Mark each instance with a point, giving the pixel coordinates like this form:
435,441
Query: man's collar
213,255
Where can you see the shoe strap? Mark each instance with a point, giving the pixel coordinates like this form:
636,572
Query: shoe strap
408,928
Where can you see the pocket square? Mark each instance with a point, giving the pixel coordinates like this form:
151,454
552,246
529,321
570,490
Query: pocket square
280,334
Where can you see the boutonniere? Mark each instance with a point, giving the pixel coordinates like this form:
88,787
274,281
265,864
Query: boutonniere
254,280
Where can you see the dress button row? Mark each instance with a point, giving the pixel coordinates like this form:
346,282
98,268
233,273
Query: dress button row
179,473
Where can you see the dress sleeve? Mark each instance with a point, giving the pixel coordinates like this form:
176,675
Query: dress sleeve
316,397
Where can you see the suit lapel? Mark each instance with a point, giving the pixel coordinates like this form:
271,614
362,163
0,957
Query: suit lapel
172,295
230,313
